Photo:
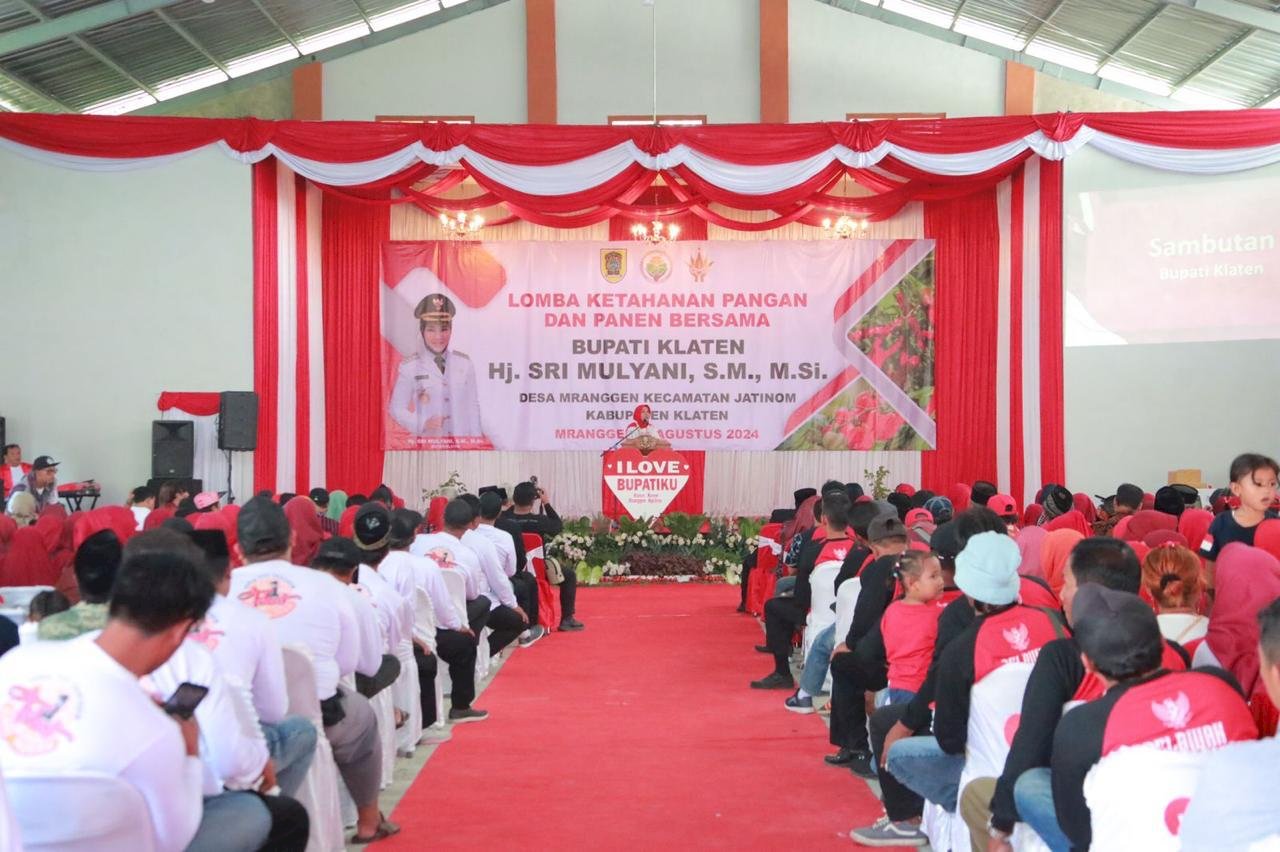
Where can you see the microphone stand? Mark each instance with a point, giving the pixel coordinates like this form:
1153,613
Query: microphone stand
618,442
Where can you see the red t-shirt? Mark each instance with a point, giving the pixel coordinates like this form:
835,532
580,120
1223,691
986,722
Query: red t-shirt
909,632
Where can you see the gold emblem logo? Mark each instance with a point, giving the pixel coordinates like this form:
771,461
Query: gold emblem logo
656,266
613,264
699,266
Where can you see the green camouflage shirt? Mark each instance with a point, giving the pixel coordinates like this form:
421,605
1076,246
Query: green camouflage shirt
81,618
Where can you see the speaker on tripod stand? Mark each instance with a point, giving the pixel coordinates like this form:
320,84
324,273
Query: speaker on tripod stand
237,427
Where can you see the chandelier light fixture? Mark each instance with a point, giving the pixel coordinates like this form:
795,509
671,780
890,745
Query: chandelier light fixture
461,226
846,228
655,232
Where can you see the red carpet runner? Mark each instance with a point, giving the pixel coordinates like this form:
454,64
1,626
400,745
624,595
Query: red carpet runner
638,733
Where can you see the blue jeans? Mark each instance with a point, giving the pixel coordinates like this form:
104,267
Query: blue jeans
1033,796
236,820
784,585
819,659
292,743
921,764
898,696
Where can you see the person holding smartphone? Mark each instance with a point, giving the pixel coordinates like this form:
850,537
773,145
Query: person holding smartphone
78,705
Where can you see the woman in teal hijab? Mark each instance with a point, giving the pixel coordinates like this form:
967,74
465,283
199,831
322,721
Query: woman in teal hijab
337,505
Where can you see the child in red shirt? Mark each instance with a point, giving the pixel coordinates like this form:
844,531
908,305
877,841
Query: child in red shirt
910,626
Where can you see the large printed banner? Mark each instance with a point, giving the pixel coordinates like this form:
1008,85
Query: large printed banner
753,345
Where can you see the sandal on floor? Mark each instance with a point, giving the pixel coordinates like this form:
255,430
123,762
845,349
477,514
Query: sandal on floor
385,829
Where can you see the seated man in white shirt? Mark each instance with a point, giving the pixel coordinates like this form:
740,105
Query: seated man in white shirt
1234,804
506,619
310,608
523,583
385,540
340,559
247,650
78,706
447,549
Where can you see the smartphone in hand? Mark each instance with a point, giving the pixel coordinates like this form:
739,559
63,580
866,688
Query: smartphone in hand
182,704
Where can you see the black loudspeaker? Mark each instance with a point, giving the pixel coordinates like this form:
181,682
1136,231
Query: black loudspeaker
238,421
3,442
173,448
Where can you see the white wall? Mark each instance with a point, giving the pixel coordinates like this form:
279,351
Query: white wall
117,287
708,59
842,63
472,65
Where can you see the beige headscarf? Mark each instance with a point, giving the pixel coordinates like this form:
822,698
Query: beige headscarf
22,508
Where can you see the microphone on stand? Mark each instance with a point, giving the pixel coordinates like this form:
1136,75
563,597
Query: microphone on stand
618,442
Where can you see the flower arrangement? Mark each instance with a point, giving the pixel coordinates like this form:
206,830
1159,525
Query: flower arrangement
451,487
676,547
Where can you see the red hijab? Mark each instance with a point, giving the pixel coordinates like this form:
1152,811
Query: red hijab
8,526
27,561
1084,505
49,526
347,523
156,517
1054,551
1031,515
1267,537
307,532
802,521
1247,579
1148,521
1194,526
959,497
1072,520
636,422
224,522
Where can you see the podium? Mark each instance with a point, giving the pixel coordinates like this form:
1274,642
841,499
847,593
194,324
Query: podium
643,485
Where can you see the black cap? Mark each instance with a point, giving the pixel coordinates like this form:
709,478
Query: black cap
319,496
886,527
1118,631
404,526
373,526
1169,501
1190,496
340,550
803,494
945,540
261,527
43,462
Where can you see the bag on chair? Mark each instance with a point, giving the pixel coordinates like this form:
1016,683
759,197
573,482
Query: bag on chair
555,573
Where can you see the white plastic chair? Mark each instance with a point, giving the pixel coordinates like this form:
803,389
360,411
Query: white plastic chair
846,602
822,585
1137,796
74,811
319,790
384,708
424,605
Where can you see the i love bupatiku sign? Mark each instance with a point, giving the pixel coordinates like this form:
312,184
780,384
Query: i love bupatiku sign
645,485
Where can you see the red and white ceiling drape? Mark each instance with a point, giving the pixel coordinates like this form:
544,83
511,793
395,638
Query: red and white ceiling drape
991,188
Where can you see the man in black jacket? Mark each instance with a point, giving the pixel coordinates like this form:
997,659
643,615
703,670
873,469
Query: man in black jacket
546,523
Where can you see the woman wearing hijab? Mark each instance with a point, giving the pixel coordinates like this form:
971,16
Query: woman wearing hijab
307,533
8,526
1247,580
1194,525
27,561
1054,551
1143,522
22,508
1030,541
1084,505
1031,515
49,526
959,497
1071,520
157,517
337,505
1266,538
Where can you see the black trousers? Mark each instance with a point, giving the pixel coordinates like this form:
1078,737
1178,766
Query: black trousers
568,594
427,666
748,565
384,677
900,802
290,825
478,614
852,675
781,618
458,650
506,625
525,585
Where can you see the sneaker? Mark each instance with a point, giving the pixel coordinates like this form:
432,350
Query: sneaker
763,649
888,833
575,622
569,625
533,634
796,704
774,681
863,765
845,757
457,715
435,735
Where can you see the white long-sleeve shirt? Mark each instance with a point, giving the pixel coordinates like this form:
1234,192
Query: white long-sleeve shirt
308,608
406,572
232,749
371,638
68,706
451,554
244,643
491,565
391,606
503,543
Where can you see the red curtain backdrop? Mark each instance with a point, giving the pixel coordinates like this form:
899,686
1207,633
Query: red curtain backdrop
353,234
967,275
1053,452
688,501
266,354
